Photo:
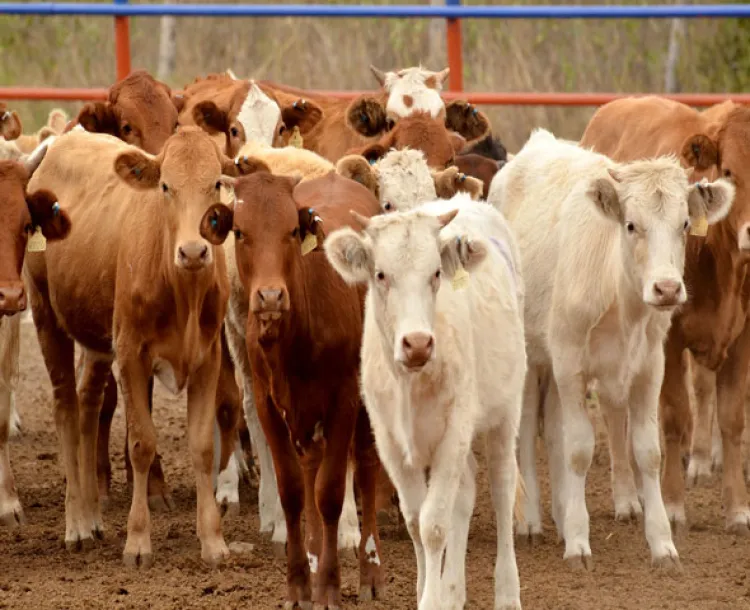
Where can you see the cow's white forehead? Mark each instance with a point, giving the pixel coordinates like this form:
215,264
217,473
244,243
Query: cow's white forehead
656,189
405,180
259,116
411,82
405,243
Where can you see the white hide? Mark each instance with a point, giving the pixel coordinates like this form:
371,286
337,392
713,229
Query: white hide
588,324
412,82
472,386
259,116
404,180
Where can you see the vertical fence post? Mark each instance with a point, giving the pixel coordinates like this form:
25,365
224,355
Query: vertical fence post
455,50
122,44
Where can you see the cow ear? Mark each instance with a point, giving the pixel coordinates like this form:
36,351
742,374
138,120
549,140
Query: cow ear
138,169
357,168
451,181
56,120
700,151
350,255
244,166
216,223
367,116
10,124
46,214
604,195
179,102
374,152
459,251
303,114
99,117
711,201
467,120
210,118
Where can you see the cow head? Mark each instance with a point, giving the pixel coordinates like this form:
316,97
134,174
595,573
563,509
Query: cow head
188,176
725,149
655,207
140,111
439,139
20,215
412,90
403,258
271,232
401,180
10,123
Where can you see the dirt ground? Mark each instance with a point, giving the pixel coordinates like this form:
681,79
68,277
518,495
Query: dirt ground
36,572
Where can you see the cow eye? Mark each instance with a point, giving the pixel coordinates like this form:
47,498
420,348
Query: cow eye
164,187
387,206
686,225
127,129
437,274
218,184
295,232
282,129
727,173
380,275
630,227
234,131
237,234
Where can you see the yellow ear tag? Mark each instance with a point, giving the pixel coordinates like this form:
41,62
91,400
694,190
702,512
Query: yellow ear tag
309,244
37,242
296,139
592,399
460,279
700,227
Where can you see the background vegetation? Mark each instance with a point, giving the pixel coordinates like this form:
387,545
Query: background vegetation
513,55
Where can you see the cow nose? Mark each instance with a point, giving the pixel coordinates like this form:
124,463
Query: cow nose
271,299
12,299
193,255
667,292
418,349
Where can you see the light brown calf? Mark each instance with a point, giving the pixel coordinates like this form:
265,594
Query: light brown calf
713,324
139,278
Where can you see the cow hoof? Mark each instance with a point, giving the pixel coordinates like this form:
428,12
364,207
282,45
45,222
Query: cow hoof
739,529
230,510
215,553
368,593
325,607
515,605
279,549
669,564
699,473
298,606
161,504
532,536
78,544
138,560
13,518
580,563
628,513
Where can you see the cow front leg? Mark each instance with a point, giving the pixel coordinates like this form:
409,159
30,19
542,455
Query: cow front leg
531,528
201,420
106,414
11,512
624,494
349,534
700,467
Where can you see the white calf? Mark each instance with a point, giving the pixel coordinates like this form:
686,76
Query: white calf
442,365
603,253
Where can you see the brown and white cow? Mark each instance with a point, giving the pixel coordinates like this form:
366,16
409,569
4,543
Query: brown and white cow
140,278
713,324
294,329
21,212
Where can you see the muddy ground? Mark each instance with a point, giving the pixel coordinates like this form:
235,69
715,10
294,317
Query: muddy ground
36,572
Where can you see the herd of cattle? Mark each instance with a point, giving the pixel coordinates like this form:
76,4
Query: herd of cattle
381,289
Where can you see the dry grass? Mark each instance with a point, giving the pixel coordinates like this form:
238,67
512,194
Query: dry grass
520,55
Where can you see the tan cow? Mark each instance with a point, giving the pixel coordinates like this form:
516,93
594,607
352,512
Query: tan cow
713,324
10,123
140,278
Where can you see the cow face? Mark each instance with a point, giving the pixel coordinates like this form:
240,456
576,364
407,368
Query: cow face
655,208
728,152
20,214
270,230
10,123
403,258
412,90
188,175
140,111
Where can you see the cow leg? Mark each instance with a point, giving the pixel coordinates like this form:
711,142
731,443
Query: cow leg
553,442
503,473
704,386
384,499
201,405
627,505
349,536
106,413
94,375
644,415
531,528
11,512
676,422
291,493
371,580
313,526
731,384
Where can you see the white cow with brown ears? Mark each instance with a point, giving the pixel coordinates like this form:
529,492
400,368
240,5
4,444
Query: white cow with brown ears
603,253
442,365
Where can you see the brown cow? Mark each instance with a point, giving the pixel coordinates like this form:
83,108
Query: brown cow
240,112
139,110
300,328
10,123
21,213
713,324
140,278
479,166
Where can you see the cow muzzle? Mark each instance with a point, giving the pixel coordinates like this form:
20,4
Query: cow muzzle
269,305
665,294
193,255
416,350
12,299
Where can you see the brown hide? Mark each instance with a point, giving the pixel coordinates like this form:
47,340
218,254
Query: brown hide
303,339
713,323
10,123
139,110
480,167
